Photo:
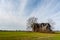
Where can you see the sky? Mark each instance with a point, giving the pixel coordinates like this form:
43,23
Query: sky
14,13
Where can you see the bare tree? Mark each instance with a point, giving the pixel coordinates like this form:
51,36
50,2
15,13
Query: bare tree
30,21
51,22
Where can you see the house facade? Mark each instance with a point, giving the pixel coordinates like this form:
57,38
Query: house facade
41,27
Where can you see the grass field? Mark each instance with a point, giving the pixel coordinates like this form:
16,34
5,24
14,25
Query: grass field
28,36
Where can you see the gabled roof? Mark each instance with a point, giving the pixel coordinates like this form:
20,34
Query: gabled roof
42,24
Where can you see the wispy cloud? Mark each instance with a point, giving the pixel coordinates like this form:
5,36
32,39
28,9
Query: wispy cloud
14,13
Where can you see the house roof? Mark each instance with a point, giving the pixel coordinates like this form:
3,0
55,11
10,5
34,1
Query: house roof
42,24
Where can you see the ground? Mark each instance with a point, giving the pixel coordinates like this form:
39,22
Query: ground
29,36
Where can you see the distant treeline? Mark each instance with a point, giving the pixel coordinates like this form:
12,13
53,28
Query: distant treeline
14,31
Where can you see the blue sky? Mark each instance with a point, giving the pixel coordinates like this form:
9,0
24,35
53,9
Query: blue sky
14,13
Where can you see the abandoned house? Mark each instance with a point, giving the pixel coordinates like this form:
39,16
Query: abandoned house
41,27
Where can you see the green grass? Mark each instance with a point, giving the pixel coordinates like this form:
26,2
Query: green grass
28,36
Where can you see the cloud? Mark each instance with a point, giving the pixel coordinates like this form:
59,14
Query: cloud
48,9
11,14
14,13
